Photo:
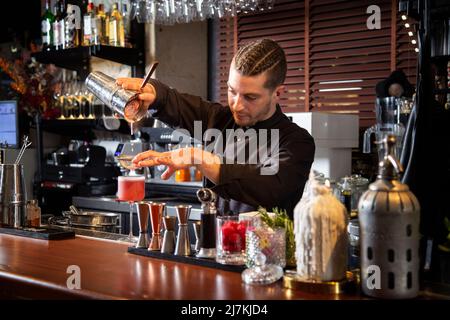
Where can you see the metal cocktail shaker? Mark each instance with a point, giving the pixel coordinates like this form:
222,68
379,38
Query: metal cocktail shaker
12,196
124,102
183,246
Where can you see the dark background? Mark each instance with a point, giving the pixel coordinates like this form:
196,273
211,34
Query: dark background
20,20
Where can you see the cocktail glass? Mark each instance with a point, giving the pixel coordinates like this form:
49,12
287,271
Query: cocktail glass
131,189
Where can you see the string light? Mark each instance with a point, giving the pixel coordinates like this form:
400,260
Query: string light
404,17
407,25
413,41
416,50
410,33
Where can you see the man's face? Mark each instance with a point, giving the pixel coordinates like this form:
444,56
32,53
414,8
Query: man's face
249,101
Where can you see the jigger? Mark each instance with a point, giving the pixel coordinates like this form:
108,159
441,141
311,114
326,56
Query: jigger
168,243
143,213
183,246
156,214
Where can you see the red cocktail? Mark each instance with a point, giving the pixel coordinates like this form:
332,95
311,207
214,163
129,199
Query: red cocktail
131,188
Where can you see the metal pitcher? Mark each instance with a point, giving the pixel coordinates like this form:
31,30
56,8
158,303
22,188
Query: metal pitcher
13,196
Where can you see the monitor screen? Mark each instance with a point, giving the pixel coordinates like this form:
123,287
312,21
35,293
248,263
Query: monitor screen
9,123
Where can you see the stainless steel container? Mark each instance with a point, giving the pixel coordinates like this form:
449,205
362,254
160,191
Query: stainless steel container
12,196
121,101
92,220
389,217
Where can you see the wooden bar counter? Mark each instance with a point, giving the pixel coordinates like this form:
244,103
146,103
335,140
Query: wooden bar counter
37,269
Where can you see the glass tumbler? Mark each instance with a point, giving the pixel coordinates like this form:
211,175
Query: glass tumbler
230,240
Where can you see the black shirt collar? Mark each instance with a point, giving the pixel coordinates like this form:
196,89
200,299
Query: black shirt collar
269,123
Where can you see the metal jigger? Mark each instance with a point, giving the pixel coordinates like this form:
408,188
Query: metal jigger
197,233
183,247
142,213
156,214
168,243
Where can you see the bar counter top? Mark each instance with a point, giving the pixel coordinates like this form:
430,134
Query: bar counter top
37,269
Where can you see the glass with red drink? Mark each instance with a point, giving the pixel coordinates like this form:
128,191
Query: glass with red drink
131,189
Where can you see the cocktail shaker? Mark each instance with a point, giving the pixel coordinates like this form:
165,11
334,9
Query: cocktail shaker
12,196
119,100
183,246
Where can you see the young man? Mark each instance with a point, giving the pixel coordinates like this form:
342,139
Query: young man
261,157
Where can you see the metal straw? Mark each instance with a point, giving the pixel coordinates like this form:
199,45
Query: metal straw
25,145
149,74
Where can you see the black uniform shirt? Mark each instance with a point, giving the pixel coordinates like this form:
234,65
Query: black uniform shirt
244,186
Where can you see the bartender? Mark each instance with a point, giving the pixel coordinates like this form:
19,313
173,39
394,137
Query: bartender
272,175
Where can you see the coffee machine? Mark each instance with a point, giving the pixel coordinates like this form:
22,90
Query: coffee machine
81,168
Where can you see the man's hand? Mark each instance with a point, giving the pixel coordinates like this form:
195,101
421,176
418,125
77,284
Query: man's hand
148,93
208,163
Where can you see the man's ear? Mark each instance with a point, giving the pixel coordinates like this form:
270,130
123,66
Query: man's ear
280,90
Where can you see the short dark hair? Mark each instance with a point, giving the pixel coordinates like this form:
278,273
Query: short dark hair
259,56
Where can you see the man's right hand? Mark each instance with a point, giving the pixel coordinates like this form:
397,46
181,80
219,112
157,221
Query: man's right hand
148,94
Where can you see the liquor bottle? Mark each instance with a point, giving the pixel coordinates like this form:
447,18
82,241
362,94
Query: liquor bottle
58,33
89,25
116,34
47,27
72,26
96,27
103,24
126,26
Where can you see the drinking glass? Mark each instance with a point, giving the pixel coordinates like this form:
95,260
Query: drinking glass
131,189
230,240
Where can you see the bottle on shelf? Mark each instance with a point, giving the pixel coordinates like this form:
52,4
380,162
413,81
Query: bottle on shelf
103,23
72,27
59,33
116,30
47,21
89,26
126,26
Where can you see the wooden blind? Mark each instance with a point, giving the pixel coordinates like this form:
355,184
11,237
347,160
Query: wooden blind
226,46
284,24
334,60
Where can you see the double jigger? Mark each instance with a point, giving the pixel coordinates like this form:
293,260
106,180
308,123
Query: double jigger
169,244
